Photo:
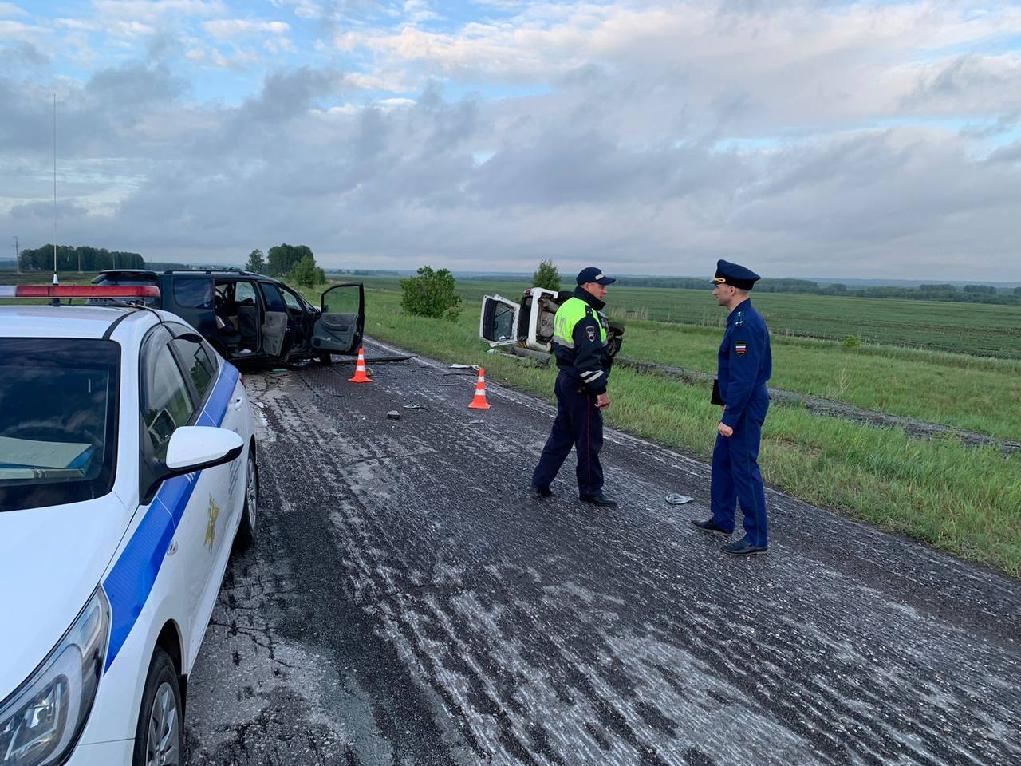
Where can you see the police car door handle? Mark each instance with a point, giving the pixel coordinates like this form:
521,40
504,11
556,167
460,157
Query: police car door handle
236,403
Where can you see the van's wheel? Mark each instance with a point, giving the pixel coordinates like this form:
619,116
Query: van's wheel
325,358
159,735
245,537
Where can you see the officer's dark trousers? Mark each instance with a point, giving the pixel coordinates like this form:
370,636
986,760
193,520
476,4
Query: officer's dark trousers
579,424
736,476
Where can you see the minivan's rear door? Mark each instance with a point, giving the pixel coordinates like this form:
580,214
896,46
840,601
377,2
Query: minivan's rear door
499,320
340,327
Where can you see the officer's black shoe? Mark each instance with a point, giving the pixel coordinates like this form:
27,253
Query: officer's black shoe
541,492
600,501
710,526
743,548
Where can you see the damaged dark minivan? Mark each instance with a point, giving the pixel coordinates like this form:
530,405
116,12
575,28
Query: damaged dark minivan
253,319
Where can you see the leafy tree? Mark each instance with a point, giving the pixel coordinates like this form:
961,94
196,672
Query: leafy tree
1017,291
256,262
283,258
431,294
306,273
547,276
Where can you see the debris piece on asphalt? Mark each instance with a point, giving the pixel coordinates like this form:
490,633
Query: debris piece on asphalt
414,407
678,499
393,415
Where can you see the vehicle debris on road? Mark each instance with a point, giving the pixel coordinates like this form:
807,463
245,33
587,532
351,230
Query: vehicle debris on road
677,499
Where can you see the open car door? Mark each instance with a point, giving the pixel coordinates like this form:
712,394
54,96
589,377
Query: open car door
340,327
499,320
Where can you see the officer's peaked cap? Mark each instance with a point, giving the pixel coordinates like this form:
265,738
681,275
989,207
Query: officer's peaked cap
734,274
594,274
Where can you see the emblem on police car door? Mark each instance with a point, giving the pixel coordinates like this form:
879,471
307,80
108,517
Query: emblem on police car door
214,514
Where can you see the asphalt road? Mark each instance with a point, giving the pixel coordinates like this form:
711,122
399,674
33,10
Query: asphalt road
409,603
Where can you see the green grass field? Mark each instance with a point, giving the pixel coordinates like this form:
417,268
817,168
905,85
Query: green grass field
959,328
961,499
957,390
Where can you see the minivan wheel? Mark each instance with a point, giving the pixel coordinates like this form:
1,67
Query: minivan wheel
159,735
245,537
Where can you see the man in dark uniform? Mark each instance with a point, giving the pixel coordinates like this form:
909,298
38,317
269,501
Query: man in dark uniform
580,347
745,363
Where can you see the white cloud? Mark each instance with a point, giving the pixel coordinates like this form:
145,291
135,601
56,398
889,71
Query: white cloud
230,29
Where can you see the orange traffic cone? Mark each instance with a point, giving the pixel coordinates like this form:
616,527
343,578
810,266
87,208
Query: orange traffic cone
479,402
361,375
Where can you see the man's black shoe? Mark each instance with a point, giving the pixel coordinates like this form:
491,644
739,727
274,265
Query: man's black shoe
710,526
743,548
541,492
600,501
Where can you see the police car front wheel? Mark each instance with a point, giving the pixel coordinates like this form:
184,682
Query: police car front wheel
245,537
159,736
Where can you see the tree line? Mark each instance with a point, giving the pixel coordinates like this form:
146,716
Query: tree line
925,292
78,258
296,263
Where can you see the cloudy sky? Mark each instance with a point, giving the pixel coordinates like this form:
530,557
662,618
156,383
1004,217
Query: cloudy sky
825,139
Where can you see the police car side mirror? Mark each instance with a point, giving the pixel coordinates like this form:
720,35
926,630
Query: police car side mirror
193,448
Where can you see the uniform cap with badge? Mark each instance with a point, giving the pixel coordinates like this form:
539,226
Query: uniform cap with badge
735,275
594,274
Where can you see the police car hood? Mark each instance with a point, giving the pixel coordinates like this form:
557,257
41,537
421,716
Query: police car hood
51,560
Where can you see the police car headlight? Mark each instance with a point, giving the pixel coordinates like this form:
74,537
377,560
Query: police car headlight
42,720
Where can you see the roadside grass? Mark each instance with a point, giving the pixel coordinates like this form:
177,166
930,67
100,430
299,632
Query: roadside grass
964,500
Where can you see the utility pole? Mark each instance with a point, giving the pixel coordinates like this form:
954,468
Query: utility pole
17,256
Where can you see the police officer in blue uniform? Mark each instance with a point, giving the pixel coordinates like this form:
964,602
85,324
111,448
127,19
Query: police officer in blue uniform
582,354
745,363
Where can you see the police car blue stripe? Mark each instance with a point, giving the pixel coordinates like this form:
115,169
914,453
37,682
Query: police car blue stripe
132,578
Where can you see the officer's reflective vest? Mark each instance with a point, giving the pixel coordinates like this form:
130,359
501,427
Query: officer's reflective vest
572,311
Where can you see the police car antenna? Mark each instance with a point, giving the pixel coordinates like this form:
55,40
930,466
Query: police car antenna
55,189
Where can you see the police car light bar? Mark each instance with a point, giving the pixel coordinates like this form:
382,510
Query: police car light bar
79,291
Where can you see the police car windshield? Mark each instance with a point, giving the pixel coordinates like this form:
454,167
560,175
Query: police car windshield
58,418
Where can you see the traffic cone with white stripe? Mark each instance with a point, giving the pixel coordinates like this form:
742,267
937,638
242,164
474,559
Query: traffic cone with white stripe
480,402
361,374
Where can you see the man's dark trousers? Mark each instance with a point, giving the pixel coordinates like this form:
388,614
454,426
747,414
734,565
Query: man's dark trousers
579,424
736,477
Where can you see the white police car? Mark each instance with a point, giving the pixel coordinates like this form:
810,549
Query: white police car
127,467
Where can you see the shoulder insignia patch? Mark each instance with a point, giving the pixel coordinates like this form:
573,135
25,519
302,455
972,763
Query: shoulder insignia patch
590,331
740,348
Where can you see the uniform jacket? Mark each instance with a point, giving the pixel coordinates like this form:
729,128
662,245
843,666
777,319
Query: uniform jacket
579,341
745,363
